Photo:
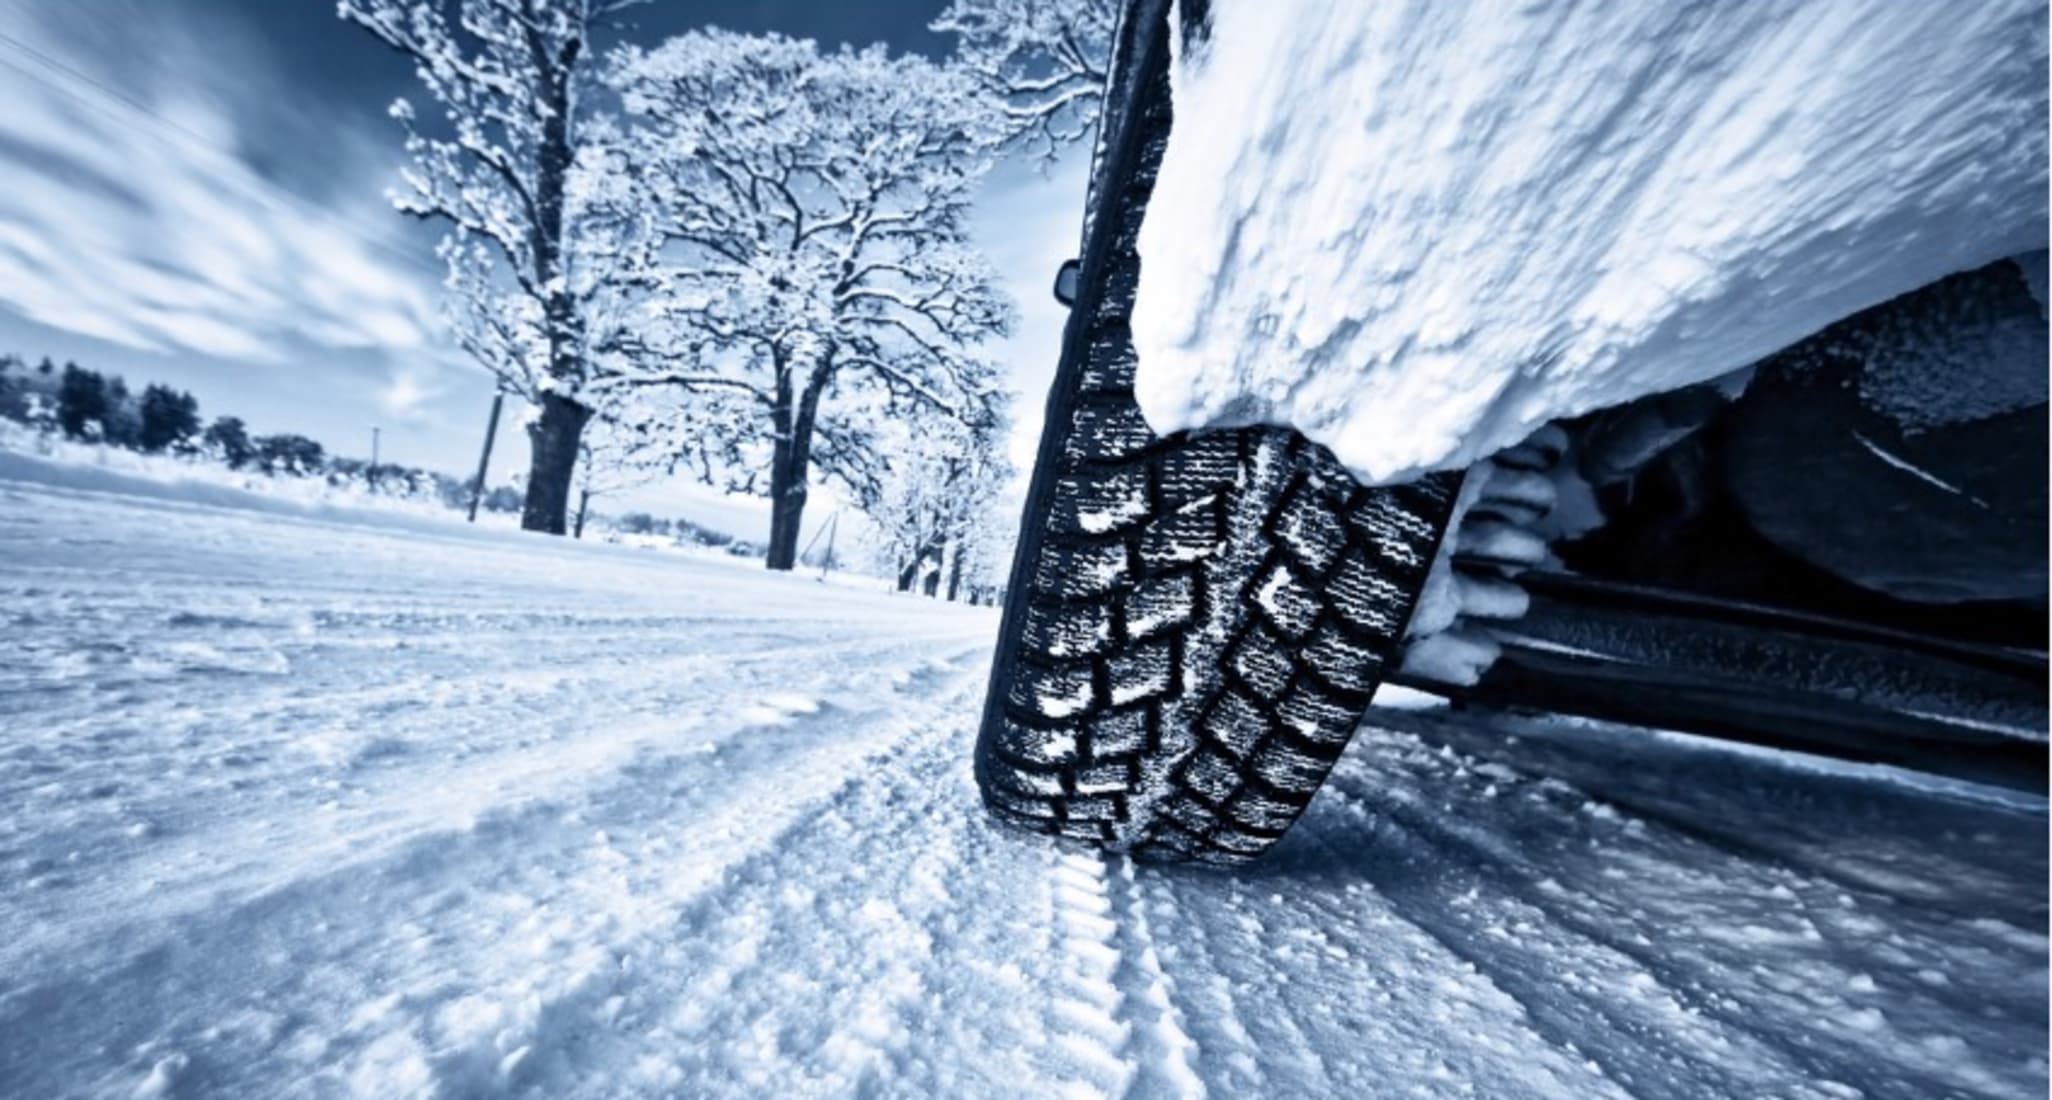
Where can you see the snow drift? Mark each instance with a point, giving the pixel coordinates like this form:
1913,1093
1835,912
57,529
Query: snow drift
1418,231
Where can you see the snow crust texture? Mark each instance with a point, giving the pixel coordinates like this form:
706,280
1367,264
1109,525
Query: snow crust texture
297,807
1416,231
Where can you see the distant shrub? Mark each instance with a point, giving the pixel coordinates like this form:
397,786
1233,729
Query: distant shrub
288,454
228,440
81,402
170,419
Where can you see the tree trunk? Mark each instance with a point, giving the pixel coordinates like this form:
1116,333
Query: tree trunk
555,433
791,462
583,506
788,475
909,573
955,574
787,511
931,587
553,437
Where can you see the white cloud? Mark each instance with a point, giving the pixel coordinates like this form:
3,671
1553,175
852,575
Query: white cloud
137,225
406,394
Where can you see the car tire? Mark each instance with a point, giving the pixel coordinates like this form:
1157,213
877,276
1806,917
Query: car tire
1195,623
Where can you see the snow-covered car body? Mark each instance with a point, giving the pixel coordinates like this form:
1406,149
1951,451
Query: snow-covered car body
1204,605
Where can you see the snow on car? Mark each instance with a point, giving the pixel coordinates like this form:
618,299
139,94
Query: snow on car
1417,232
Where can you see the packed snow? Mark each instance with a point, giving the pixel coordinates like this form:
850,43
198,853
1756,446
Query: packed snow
1419,230
328,804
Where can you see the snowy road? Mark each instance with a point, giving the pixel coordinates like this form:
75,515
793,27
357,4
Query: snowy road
301,807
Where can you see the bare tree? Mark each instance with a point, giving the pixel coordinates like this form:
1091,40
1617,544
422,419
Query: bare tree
818,278
1044,61
509,174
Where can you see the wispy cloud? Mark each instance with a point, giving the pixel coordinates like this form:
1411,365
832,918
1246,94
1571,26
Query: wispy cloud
407,392
131,215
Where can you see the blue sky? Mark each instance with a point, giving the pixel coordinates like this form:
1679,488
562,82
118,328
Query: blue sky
195,193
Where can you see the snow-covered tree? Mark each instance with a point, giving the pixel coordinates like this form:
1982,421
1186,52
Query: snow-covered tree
1044,61
940,483
818,279
510,173
983,556
617,453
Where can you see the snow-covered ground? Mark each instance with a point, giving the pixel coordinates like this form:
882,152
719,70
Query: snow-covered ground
318,805
204,478
1419,230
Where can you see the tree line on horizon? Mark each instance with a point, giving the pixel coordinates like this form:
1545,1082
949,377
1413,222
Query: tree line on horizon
87,406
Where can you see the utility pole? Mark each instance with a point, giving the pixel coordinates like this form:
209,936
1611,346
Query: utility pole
826,563
826,529
485,460
374,457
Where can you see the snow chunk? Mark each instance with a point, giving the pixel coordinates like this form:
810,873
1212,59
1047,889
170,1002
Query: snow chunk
1418,231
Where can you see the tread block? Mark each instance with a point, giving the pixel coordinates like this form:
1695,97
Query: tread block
1346,663
1020,806
1109,777
1167,602
1057,691
1097,833
1308,523
1367,596
1202,467
1284,768
1045,749
1101,505
1079,572
1212,774
1290,602
1067,630
1238,723
1095,808
1146,670
1029,784
1398,535
1192,816
1121,283
1193,534
1239,842
1261,812
1112,361
1132,212
1108,430
1119,733
1318,717
1261,661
